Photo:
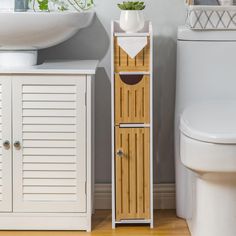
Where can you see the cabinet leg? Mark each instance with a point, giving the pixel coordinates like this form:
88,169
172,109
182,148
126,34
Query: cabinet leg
89,227
113,225
152,224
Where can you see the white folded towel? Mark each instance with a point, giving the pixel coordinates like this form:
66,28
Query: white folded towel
132,45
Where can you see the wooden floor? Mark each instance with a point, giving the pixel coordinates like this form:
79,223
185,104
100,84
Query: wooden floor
166,224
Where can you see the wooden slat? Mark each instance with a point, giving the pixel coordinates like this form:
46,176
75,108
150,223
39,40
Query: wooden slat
51,189
49,159
50,143
49,89
146,146
49,151
49,128
49,113
43,167
49,182
49,120
49,136
50,197
49,105
49,97
125,173
132,174
50,174
140,176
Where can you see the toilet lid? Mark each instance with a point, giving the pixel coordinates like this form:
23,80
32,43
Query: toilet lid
213,122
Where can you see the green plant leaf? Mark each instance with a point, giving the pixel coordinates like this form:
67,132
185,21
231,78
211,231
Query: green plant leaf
43,5
121,6
130,5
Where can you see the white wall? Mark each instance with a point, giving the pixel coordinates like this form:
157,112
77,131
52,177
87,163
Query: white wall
94,43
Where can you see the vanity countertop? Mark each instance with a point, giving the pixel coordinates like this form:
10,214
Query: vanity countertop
86,67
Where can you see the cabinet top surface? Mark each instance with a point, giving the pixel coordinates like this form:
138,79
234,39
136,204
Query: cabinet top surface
80,67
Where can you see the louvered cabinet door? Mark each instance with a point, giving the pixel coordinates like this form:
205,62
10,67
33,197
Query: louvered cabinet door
132,162
5,152
50,142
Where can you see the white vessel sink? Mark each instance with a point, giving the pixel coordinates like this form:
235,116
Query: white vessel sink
23,33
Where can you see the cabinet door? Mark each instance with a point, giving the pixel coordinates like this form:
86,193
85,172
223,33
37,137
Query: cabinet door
132,173
49,159
5,150
132,100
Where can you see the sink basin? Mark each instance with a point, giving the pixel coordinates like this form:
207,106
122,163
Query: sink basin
23,33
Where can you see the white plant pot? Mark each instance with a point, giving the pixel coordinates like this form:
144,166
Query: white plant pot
131,21
226,2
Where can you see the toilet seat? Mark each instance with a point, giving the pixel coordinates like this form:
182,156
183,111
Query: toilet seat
208,137
213,122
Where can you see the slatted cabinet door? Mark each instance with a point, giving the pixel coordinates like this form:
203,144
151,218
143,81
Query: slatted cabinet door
50,159
5,150
132,100
132,173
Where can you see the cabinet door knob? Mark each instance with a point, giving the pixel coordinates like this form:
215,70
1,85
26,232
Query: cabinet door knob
119,153
17,144
6,144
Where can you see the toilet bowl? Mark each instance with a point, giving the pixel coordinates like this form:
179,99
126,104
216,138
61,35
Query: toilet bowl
208,150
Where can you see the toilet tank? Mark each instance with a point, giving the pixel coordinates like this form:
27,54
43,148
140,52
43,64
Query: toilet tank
206,71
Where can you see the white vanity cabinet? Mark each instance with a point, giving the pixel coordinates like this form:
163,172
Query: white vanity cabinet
46,156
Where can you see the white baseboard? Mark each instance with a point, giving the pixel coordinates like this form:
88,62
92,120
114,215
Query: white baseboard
164,196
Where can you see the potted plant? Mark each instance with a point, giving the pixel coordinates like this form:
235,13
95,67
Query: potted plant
132,17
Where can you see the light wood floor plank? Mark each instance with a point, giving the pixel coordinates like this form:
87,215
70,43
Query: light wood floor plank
166,224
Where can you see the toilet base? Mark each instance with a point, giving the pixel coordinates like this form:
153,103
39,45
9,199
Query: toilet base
214,212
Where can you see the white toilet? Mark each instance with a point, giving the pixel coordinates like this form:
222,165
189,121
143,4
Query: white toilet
205,131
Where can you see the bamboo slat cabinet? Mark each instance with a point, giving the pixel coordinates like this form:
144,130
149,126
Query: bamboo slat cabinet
132,129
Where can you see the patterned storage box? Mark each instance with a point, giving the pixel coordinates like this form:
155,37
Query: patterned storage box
211,17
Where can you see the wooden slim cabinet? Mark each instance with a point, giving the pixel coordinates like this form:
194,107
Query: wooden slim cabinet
132,131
